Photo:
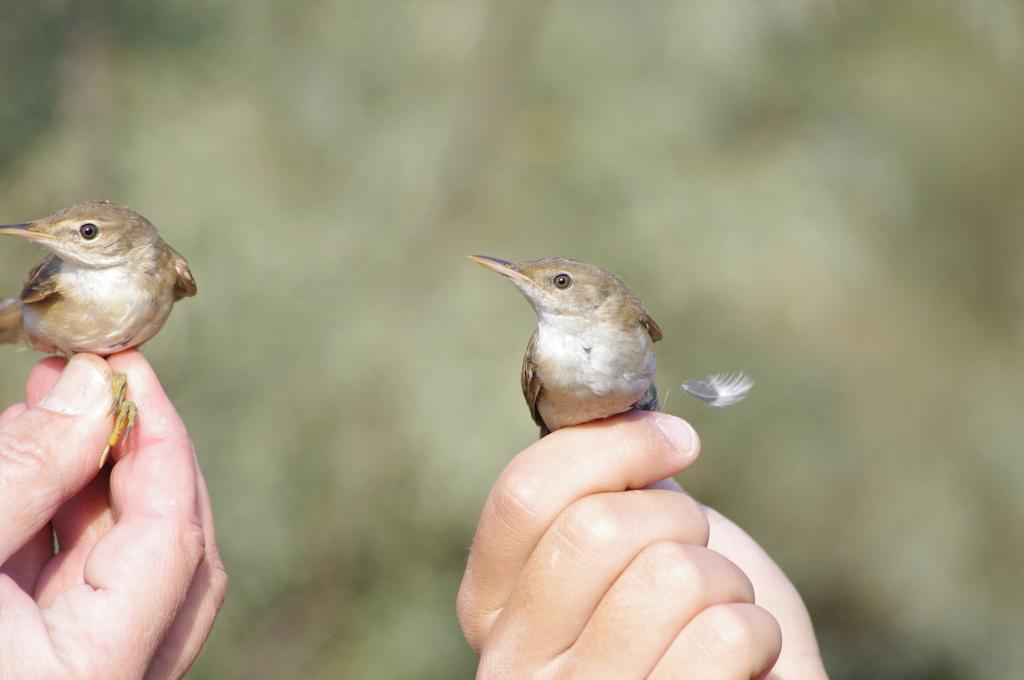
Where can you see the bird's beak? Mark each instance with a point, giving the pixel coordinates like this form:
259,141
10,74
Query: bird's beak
502,267
24,231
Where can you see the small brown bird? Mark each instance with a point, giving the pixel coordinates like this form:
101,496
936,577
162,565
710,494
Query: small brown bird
108,285
592,354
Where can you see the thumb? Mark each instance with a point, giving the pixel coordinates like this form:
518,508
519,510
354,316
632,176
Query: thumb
49,452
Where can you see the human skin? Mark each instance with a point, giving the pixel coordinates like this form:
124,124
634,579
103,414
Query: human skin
590,562
137,582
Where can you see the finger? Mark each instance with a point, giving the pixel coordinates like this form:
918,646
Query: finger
800,655
141,571
726,641
205,598
81,521
12,412
28,566
79,524
42,378
663,589
625,452
24,627
49,452
25,566
578,560
163,479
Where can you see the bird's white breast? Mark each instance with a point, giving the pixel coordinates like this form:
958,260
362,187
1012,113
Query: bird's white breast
591,370
100,310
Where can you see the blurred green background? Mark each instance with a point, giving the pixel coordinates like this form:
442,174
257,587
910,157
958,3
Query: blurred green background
825,194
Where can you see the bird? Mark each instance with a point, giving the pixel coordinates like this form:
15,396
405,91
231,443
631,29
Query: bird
108,284
592,354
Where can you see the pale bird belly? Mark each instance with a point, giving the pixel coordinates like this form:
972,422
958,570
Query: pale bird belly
560,409
582,384
101,327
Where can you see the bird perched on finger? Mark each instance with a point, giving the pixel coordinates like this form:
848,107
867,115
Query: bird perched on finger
592,353
108,284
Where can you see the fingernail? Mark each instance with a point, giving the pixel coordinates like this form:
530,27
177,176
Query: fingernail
680,435
81,388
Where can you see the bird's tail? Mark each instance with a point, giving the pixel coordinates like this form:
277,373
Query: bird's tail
649,401
10,320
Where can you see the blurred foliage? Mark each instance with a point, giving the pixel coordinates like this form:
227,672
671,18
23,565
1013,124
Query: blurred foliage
825,194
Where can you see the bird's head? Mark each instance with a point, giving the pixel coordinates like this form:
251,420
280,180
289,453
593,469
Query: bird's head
93,234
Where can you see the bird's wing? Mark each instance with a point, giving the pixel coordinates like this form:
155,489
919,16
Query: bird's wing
652,327
42,281
532,385
184,284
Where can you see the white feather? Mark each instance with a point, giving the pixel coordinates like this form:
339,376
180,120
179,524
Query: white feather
720,389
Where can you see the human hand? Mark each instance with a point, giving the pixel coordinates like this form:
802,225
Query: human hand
800,658
579,568
137,582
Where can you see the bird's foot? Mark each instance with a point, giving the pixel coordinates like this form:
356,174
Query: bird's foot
125,413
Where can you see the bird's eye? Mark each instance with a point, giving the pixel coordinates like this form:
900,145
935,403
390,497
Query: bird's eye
88,231
562,281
